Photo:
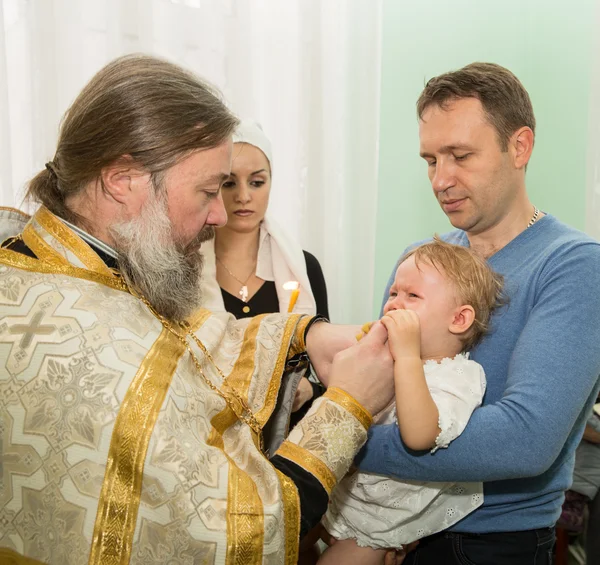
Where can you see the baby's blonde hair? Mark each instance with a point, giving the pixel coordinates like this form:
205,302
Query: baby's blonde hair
476,284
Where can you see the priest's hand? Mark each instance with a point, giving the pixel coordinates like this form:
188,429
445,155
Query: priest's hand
366,370
324,341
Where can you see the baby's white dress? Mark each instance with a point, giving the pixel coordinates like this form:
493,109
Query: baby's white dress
381,512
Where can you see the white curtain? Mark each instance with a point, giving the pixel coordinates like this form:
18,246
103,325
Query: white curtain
308,70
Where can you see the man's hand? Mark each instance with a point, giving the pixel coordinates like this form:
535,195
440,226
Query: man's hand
397,556
323,341
365,370
404,333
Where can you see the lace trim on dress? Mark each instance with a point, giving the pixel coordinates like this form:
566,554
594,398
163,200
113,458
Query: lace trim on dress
430,363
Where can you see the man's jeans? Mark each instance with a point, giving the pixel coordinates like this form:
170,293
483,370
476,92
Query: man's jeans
531,547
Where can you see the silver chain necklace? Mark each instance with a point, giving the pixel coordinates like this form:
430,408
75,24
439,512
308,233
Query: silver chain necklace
244,290
534,218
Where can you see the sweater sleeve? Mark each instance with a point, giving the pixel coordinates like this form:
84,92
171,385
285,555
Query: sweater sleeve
553,369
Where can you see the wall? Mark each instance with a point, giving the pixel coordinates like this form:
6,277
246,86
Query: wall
548,45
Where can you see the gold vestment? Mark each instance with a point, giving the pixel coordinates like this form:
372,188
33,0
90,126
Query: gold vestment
113,448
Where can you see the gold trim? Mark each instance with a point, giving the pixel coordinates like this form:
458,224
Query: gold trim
120,496
305,459
11,557
197,319
245,514
70,240
220,424
284,354
42,250
299,343
350,404
25,263
245,520
240,377
226,418
291,518
292,344
241,492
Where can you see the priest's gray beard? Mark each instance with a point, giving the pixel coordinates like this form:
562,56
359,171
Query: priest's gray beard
163,270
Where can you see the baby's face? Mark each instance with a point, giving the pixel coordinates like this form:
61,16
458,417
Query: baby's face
428,292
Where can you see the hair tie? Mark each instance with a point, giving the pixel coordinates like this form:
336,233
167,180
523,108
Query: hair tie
51,166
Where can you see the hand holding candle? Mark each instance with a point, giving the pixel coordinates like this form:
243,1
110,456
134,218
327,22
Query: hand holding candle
294,286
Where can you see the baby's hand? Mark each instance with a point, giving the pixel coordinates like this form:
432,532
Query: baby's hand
404,333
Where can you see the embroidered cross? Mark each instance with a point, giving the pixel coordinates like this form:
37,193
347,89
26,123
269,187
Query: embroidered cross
32,329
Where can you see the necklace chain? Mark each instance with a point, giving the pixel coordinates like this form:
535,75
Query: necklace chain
243,283
243,292
534,218
234,401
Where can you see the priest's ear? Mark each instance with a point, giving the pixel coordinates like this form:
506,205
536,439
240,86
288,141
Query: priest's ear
463,319
127,183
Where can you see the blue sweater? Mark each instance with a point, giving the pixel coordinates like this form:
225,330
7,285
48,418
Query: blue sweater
542,361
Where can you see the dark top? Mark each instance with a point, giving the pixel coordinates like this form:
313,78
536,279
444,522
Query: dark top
313,497
265,300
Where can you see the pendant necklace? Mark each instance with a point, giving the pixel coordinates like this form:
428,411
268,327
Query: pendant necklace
244,290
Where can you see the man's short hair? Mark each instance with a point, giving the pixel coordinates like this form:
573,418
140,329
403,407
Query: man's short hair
505,101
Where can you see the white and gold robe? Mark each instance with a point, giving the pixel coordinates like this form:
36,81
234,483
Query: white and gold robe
114,450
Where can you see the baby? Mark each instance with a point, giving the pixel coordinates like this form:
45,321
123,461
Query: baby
439,307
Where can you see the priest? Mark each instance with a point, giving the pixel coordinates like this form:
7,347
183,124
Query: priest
135,426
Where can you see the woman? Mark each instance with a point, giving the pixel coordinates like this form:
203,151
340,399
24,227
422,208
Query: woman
252,257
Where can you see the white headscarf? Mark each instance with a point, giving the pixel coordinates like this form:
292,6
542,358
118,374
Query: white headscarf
280,257
251,133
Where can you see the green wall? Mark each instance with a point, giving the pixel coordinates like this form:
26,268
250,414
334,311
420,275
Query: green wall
546,43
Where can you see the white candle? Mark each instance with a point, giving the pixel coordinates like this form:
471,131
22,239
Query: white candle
294,286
